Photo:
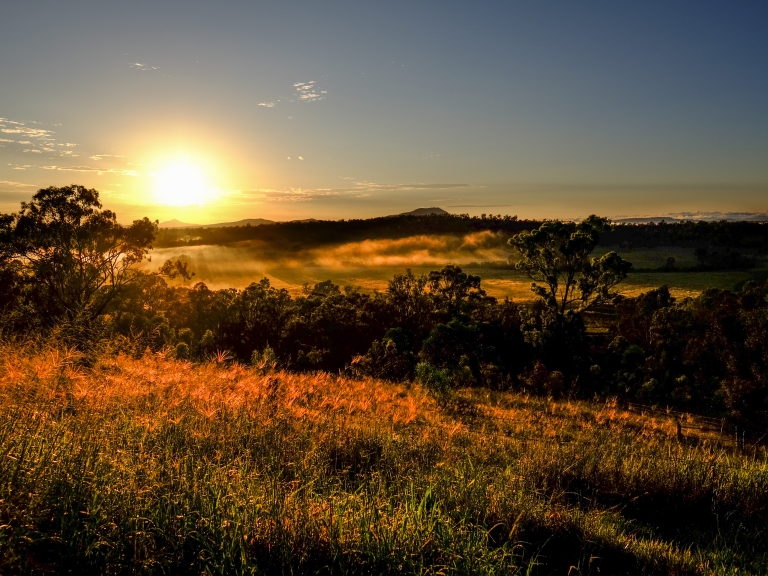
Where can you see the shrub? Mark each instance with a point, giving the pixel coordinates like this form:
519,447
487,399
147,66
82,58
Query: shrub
432,378
182,351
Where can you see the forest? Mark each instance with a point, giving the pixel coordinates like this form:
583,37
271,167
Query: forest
75,276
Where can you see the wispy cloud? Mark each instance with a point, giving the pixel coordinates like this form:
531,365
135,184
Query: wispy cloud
710,216
358,190
16,184
91,169
303,92
102,156
28,131
478,205
309,91
42,142
142,67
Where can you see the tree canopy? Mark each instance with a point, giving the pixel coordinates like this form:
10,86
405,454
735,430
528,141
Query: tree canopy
557,255
64,243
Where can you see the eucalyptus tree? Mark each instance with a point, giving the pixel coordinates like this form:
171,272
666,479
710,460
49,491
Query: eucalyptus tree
556,256
74,254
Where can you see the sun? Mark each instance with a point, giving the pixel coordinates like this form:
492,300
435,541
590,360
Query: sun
182,184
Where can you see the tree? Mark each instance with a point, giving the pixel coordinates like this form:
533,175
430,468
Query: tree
410,305
73,252
451,287
557,255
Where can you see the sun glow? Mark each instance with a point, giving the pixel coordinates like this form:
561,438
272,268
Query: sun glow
182,184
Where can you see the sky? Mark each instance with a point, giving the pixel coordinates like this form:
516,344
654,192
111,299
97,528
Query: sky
217,111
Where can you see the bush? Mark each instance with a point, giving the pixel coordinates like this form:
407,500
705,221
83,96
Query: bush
265,362
386,359
434,379
182,351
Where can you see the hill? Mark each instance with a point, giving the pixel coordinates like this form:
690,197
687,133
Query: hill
246,222
423,212
134,463
645,220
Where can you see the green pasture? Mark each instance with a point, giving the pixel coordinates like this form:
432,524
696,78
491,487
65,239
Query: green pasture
233,267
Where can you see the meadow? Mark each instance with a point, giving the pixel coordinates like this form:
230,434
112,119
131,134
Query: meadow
237,266
121,465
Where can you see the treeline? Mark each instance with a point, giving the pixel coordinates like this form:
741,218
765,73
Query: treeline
707,354
321,232
724,235
720,236
67,267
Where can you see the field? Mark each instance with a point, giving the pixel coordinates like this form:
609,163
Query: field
237,266
118,465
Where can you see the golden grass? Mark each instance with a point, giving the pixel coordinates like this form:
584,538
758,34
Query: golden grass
151,464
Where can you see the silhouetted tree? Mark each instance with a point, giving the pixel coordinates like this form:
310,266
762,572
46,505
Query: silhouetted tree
74,253
451,287
64,258
557,254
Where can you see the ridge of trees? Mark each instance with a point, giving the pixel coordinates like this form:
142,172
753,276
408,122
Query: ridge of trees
65,261
746,236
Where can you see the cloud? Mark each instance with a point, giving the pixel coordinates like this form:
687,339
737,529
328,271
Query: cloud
90,169
306,92
309,91
102,156
143,67
36,133
478,205
43,141
15,184
717,216
359,190
414,186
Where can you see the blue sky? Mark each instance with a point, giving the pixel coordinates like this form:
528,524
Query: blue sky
547,109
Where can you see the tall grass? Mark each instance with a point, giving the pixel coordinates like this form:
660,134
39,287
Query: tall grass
154,465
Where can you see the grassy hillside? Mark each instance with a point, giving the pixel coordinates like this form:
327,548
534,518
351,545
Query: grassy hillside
153,465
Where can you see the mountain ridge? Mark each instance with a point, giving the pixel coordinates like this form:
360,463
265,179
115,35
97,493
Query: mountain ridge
175,223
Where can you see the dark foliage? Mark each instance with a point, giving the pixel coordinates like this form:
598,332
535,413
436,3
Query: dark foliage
64,260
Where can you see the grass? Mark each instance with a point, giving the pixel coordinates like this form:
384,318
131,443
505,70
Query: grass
237,266
152,465
499,283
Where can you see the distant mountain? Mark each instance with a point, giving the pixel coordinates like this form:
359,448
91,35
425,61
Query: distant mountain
245,222
252,221
177,224
646,220
424,212
696,217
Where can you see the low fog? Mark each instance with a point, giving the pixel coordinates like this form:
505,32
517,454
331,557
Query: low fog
239,264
